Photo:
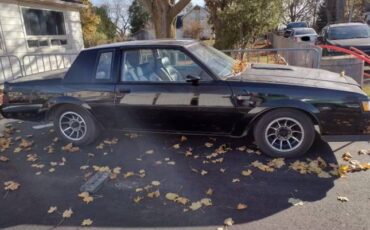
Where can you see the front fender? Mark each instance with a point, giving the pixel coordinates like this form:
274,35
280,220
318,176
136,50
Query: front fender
254,114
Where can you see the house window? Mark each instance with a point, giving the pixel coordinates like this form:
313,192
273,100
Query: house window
44,28
43,22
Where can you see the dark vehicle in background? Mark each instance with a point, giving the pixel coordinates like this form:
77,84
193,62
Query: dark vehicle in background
308,35
347,35
169,86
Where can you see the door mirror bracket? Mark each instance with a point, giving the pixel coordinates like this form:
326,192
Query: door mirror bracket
193,79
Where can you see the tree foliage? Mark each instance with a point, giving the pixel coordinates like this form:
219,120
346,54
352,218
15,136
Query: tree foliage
90,22
237,23
163,15
118,12
106,25
138,17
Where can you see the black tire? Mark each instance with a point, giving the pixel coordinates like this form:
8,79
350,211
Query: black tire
91,130
275,129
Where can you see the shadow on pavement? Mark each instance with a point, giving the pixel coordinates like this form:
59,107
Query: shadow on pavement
265,193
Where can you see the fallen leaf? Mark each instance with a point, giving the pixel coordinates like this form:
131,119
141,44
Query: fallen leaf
149,152
176,146
171,163
67,213
324,174
241,148
86,222
347,156
52,209
206,202
128,174
171,196
222,170
195,205
209,192
295,202
11,185
182,200
84,167
363,152
236,180
70,148
241,206
247,172
154,194
203,172
117,170
156,183
138,199
4,158
208,144
183,138
52,170
228,222
342,199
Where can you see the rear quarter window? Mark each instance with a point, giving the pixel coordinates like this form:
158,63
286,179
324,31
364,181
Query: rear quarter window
82,68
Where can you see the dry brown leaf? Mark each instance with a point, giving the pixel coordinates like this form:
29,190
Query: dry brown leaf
347,156
241,206
209,192
117,170
128,174
154,194
149,152
176,146
86,222
67,213
195,205
138,199
11,185
52,209
247,172
3,158
203,172
342,199
295,202
208,144
156,183
183,139
206,202
70,148
236,180
171,196
228,222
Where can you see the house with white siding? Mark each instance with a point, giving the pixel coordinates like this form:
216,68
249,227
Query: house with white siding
197,16
41,35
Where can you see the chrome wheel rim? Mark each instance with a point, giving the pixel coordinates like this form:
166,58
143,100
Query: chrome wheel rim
284,134
72,126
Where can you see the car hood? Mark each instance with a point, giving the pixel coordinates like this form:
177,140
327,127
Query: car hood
356,42
291,75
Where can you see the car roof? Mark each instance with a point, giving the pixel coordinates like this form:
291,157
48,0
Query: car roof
346,24
302,28
159,42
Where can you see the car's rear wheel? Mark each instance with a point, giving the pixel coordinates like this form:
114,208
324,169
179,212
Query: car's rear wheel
284,133
75,125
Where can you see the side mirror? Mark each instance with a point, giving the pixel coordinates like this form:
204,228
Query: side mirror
193,79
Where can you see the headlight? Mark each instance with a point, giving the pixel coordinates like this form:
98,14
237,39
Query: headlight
366,106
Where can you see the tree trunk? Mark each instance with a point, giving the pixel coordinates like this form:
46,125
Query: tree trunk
163,15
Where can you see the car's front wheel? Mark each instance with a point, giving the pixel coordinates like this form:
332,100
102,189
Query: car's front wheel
75,125
284,133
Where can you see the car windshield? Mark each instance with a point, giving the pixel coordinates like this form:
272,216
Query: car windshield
217,61
349,32
305,31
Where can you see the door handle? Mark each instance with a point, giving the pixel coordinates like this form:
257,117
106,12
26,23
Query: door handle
124,90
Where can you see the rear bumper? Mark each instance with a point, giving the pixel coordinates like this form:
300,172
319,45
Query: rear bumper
33,112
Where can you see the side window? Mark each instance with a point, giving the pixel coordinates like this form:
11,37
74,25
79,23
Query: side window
159,65
103,70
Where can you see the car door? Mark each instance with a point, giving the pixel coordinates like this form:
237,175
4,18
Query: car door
154,95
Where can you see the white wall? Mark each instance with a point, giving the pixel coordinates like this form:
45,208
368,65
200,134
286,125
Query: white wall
14,37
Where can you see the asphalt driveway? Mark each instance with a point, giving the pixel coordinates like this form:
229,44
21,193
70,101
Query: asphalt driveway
203,171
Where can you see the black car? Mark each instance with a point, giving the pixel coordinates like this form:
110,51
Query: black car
170,86
347,35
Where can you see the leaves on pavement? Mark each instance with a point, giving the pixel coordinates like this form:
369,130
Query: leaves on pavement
86,222
11,185
67,213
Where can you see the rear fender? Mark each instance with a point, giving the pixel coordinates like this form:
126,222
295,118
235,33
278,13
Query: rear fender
53,103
